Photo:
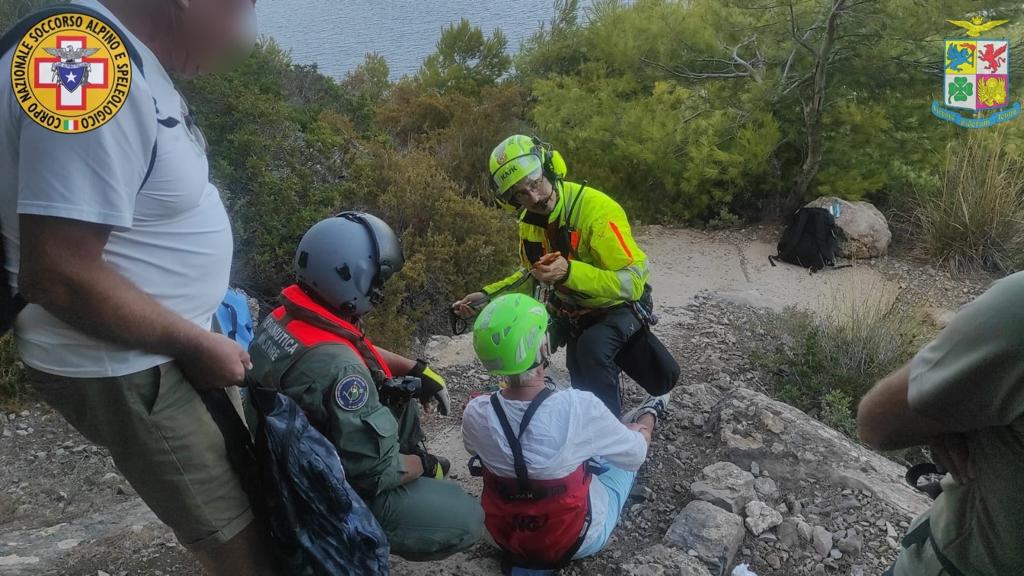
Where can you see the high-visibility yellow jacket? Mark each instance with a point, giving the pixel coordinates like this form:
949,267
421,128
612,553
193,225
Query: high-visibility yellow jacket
606,268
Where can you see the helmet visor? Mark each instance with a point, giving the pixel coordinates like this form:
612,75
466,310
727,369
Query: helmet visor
518,195
510,173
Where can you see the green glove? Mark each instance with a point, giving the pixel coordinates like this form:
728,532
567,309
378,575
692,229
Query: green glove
432,387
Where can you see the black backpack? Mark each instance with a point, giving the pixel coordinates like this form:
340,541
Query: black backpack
811,239
12,304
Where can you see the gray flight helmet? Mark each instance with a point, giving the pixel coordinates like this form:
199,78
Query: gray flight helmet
346,260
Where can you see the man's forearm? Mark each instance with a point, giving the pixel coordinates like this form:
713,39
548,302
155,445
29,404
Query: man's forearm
413,468
885,419
102,303
520,281
399,365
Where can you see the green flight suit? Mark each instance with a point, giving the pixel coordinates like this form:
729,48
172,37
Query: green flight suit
427,519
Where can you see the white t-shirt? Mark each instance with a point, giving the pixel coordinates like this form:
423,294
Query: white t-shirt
568,429
172,239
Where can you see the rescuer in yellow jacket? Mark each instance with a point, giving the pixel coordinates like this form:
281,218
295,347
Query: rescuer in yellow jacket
578,254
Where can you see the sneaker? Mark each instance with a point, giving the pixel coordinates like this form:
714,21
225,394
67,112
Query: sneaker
656,405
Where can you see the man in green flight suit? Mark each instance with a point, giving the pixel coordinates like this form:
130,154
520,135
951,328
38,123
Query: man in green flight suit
364,399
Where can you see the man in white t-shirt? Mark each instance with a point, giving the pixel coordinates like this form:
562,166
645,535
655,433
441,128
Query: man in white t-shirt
120,244
538,448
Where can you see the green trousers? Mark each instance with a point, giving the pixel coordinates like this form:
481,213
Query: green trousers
427,519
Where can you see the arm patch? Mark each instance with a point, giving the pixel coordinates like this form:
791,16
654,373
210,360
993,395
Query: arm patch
351,393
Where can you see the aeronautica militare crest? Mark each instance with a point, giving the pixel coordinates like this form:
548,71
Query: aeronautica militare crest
976,77
71,73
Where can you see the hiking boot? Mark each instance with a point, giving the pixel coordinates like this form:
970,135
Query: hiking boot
656,405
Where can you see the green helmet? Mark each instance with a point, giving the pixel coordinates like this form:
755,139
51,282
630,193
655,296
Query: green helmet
513,160
509,334
520,156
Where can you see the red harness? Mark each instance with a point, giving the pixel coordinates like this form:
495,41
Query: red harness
539,523
312,325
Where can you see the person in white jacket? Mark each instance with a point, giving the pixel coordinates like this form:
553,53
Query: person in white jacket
539,448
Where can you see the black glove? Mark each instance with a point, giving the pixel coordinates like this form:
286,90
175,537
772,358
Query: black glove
396,391
434,466
432,387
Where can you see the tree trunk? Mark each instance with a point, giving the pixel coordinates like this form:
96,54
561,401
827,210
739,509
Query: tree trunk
813,110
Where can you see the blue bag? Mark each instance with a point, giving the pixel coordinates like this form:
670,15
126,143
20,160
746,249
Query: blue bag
321,525
233,319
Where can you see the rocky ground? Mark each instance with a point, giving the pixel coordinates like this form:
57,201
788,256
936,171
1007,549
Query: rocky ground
733,477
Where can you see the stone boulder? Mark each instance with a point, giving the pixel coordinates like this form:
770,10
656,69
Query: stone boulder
792,446
726,486
822,541
694,402
766,489
789,536
660,560
865,229
761,517
714,534
851,544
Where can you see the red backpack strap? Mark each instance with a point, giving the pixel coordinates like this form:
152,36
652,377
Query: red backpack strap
513,441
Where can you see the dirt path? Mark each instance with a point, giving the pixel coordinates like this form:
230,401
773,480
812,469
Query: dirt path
735,267
65,510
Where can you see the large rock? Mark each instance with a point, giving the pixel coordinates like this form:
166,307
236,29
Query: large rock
852,544
766,489
864,227
792,446
761,517
660,560
822,541
726,486
714,534
694,402
789,537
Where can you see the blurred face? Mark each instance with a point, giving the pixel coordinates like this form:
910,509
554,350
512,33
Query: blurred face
212,33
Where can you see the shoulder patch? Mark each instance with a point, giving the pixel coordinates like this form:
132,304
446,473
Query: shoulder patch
71,73
351,393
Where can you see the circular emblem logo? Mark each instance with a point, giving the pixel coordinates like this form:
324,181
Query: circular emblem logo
71,73
352,393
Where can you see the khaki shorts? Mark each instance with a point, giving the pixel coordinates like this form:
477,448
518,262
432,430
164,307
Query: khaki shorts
164,441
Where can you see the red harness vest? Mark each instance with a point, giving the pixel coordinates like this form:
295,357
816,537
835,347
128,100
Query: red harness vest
539,523
312,325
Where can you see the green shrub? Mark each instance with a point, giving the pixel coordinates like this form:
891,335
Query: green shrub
465,60
824,365
837,412
557,48
738,139
280,151
662,152
13,390
458,130
365,89
13,10
974,218
453,244
457,108
285,153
